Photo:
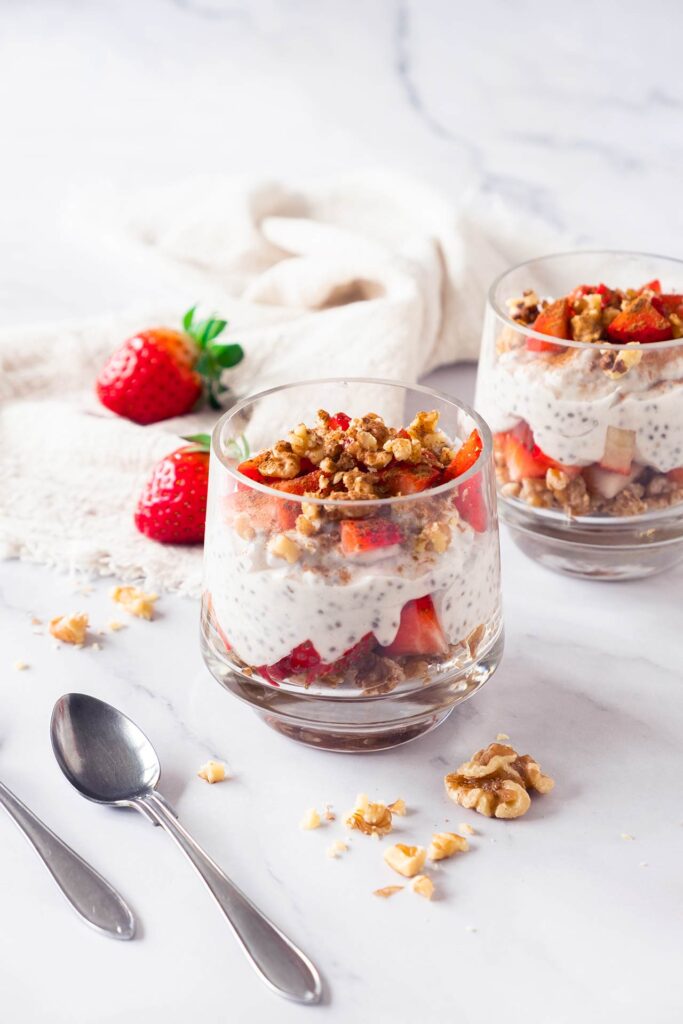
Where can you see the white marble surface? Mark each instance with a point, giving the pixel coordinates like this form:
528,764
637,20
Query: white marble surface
551,919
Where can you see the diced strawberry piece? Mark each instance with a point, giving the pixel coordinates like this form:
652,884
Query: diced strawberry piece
653,286
537,453
250,468
605,294
364,646
305,660
668,304
553,321
419,631
471,505
465,457
640,321
676,475
520,461
260,508
620,446
340,421
410,479
361,535
286,514
300,484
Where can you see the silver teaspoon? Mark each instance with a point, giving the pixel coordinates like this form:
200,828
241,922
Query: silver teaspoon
108,759
87,892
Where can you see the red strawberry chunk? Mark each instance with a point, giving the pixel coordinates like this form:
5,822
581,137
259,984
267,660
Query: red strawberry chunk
676,475
640,321
668,304
471,504
553,321
305,660
419,630
410,479
524,458
250,468
653,286
465,457
299,484
340,421
361,535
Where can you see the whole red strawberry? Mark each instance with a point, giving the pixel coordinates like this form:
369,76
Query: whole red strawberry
172,507
161,372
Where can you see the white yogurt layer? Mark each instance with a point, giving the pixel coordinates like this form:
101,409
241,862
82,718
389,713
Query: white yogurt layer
266,607
569,404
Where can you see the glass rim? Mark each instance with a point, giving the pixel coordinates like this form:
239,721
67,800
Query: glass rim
570,343
483,458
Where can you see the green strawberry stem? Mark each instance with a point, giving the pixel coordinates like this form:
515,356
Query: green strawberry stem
213,357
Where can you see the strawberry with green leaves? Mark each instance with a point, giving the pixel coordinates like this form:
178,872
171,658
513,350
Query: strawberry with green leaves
160,373
172,506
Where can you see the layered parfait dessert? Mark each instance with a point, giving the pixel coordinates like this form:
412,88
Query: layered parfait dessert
584,395
354,556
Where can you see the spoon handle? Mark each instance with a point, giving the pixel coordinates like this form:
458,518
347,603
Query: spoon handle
86,890
283,967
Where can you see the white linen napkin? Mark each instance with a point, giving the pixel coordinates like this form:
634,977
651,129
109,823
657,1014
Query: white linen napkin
368,275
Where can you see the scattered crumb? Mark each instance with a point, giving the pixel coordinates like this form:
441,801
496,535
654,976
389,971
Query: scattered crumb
502,736
398,807
114,626
71,629
35,621
82,588
643,864
21,666
627,835
336,849
212,771
387,891
328,813
310,820
423,886
469,928
95,646
406,860
135,601
465,827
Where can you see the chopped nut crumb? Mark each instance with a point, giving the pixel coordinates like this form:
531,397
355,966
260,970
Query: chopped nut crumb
373,819
283,546
310,820
627,835
21,666
445,844
502,736
406,860
398,807
328,813
213,771
96,646
387,891
114,626
135,601
423,886
71,629
337,848
465,827
35,621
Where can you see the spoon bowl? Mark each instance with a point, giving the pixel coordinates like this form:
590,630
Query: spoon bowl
104,755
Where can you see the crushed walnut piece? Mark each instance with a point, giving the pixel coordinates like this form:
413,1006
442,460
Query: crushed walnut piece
370,819
70,629
336,849
135,601
20,666
398,807
446,844
388,890
310,820
465,827
284,547
406,860
423,886
212,771
495,782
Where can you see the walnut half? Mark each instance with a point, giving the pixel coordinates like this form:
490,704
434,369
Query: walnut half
496,781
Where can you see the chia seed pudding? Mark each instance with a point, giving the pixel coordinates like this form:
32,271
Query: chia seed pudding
594,428
316,578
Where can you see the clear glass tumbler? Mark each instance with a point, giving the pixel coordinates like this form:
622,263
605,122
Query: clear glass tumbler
365,630
581,381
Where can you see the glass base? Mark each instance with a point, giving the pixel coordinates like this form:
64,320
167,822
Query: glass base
346,723
603,548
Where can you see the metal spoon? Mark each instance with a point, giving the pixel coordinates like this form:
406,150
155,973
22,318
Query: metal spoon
108,759
87,892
